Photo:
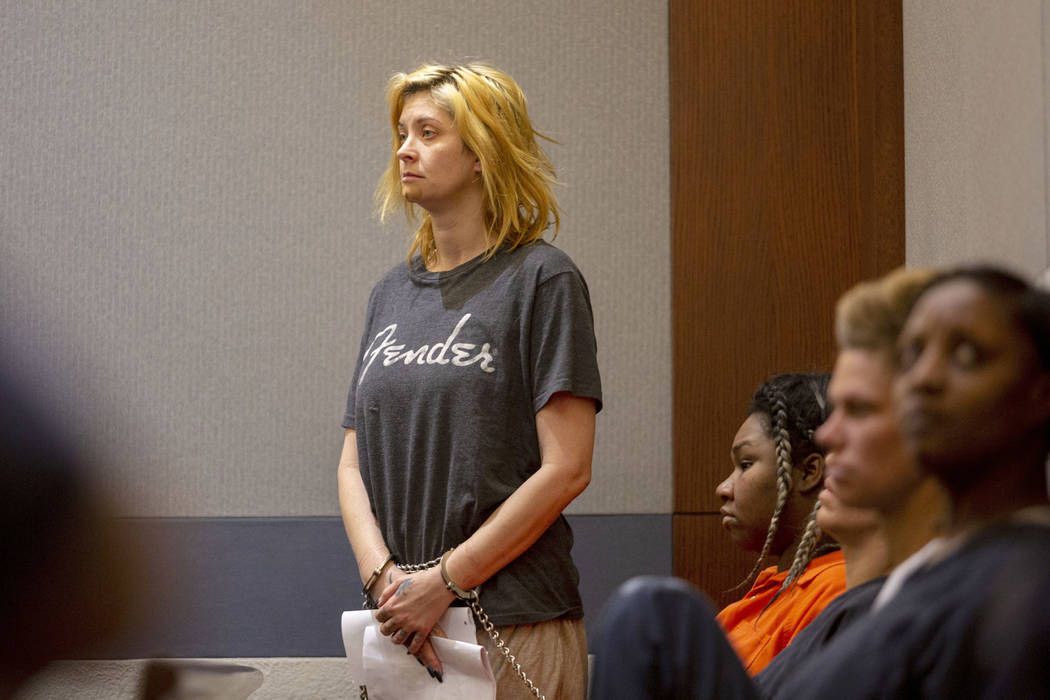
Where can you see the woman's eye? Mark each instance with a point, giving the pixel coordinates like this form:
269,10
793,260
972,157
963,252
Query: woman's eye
965,354
857,409
743,464
401,138
427,133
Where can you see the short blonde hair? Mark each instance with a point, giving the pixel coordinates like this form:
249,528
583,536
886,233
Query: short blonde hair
488,108
871,315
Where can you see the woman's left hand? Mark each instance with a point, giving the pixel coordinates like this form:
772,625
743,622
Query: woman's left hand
409,607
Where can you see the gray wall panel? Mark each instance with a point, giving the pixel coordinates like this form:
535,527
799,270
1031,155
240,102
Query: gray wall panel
187,239
975,133
242,587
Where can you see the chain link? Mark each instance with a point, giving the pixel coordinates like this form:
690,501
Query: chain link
502,646
486,625
416,568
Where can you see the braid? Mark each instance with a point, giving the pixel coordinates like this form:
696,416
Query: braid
782,445
804,554
793,406
807,547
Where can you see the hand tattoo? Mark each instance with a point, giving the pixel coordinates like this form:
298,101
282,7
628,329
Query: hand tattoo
403,588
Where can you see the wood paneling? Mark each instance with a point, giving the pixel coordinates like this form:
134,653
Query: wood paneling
787,180
706,555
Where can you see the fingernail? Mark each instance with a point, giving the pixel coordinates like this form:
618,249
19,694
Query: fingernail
419,660
441,678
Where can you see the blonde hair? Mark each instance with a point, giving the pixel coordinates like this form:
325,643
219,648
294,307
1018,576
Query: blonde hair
871,315
488,108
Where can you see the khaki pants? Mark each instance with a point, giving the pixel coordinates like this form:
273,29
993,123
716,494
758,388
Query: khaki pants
552,654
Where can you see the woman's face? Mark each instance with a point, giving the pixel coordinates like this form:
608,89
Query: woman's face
847,524
867,462
438,171
968,387
749,493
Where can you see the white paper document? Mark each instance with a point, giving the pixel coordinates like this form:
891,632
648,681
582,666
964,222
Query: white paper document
392,674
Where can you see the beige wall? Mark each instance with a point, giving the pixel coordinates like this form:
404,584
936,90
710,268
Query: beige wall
187,241
976,132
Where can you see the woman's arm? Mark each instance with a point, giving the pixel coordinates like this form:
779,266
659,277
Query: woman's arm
361,527
366,540
565,427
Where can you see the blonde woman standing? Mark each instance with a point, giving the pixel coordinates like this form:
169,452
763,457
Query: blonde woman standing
470,416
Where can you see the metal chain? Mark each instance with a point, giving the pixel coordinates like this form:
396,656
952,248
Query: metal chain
502,646
486,625
368,603
416,568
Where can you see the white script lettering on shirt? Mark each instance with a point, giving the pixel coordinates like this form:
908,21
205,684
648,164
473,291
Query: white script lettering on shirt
386,344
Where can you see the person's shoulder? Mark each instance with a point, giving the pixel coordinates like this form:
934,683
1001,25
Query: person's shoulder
832,559
398,274
389,284
1006,543
545,259
1020,548
825,568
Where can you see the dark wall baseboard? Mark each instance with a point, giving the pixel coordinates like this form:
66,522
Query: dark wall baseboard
275,587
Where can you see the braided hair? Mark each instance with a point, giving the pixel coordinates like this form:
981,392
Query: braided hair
794,405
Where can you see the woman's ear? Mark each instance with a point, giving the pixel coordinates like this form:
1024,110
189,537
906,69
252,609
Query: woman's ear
812,476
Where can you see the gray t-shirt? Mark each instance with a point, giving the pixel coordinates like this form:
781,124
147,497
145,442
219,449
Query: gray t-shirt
452,370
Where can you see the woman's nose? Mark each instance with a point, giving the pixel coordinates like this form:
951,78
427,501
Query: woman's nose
827,434
406,151
725,489
926,373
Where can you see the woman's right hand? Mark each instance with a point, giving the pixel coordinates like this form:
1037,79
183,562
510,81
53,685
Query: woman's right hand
414,602
387,576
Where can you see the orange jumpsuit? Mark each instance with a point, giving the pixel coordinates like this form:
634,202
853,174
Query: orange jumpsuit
758,638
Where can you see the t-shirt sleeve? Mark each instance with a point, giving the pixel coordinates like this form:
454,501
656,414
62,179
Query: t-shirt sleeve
348,414
563,347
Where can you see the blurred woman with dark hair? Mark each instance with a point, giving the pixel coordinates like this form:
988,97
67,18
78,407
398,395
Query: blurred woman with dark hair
875,503
973,394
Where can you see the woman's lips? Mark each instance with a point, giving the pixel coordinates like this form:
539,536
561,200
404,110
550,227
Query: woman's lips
728,519
833,480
